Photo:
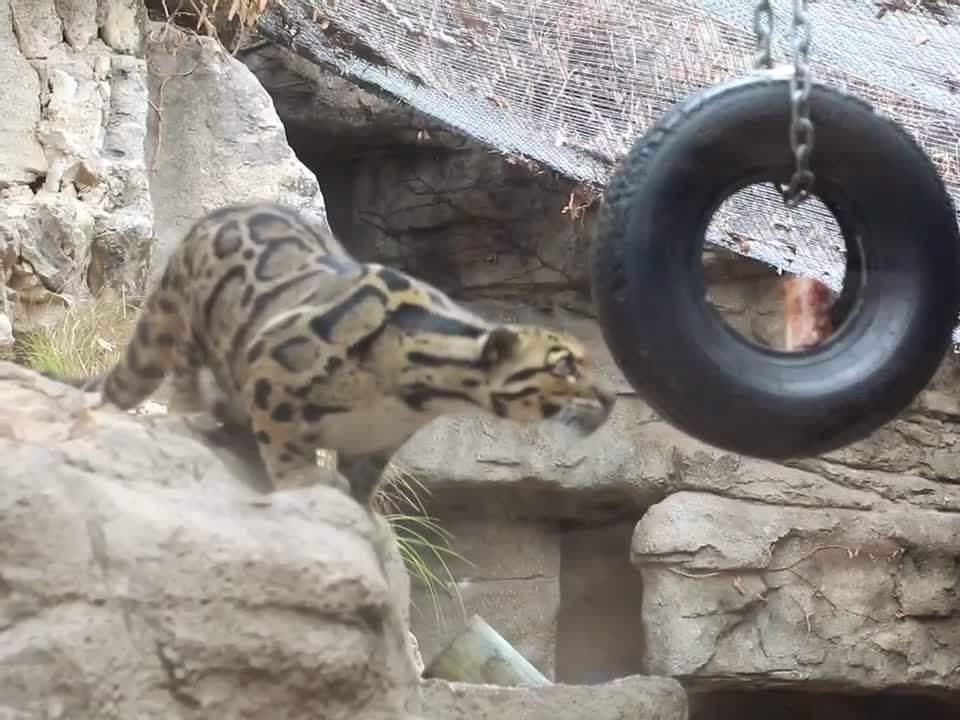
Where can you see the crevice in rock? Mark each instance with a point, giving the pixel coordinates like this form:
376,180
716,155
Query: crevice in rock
600,633
535,501
821,701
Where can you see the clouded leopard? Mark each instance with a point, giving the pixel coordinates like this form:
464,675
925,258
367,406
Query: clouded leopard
261,318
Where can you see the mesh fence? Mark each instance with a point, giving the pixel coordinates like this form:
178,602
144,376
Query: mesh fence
573,83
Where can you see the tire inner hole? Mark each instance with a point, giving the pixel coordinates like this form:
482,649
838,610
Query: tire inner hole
752,234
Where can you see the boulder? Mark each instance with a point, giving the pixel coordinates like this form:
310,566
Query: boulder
144,573
759,594
202,93
637,698
72,151
119,133
6,332
21,155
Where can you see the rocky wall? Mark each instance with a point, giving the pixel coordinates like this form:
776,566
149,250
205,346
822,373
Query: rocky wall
74,195
118,133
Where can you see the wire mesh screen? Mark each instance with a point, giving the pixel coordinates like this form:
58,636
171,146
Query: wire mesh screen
573,83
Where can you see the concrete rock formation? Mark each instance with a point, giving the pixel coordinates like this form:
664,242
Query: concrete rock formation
73,178
638,698
144,574
107,148
863,598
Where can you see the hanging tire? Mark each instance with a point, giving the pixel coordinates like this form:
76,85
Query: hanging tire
902,285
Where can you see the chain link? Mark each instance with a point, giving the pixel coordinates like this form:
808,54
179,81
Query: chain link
801,127
763,27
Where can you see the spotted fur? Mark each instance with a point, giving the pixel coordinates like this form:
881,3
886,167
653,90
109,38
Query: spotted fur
262,319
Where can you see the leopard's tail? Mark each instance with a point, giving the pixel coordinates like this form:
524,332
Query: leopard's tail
87,383
146,360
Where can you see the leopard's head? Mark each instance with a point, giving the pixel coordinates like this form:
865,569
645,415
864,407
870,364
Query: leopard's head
534,373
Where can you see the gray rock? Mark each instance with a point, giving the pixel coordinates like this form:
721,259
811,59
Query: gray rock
79,18
767,594
516,592
315,100
130,550
21,156
6,332
91,223
123,25
124,234
638,698
207,92
404,190
37,25
72,125
53,233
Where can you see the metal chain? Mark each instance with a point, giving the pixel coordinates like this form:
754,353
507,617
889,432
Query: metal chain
763,27
801,127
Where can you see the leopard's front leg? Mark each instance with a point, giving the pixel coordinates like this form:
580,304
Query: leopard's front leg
364,473
287,434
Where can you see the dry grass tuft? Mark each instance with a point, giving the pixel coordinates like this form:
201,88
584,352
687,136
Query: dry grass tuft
424,544
201,13
247,11
89,339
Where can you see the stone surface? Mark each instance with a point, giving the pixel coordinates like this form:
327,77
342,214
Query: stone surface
637,698
795,593
896,621
314,100
600,626
123,25
103,144
80,212
202,92
499,226
125,238
818,702
6,332
145,575
567,600
52,234
37,26
21,156
79,19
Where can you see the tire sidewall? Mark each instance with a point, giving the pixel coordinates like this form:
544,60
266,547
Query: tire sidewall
650,293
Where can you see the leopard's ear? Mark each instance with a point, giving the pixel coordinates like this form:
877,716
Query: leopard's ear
498,345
